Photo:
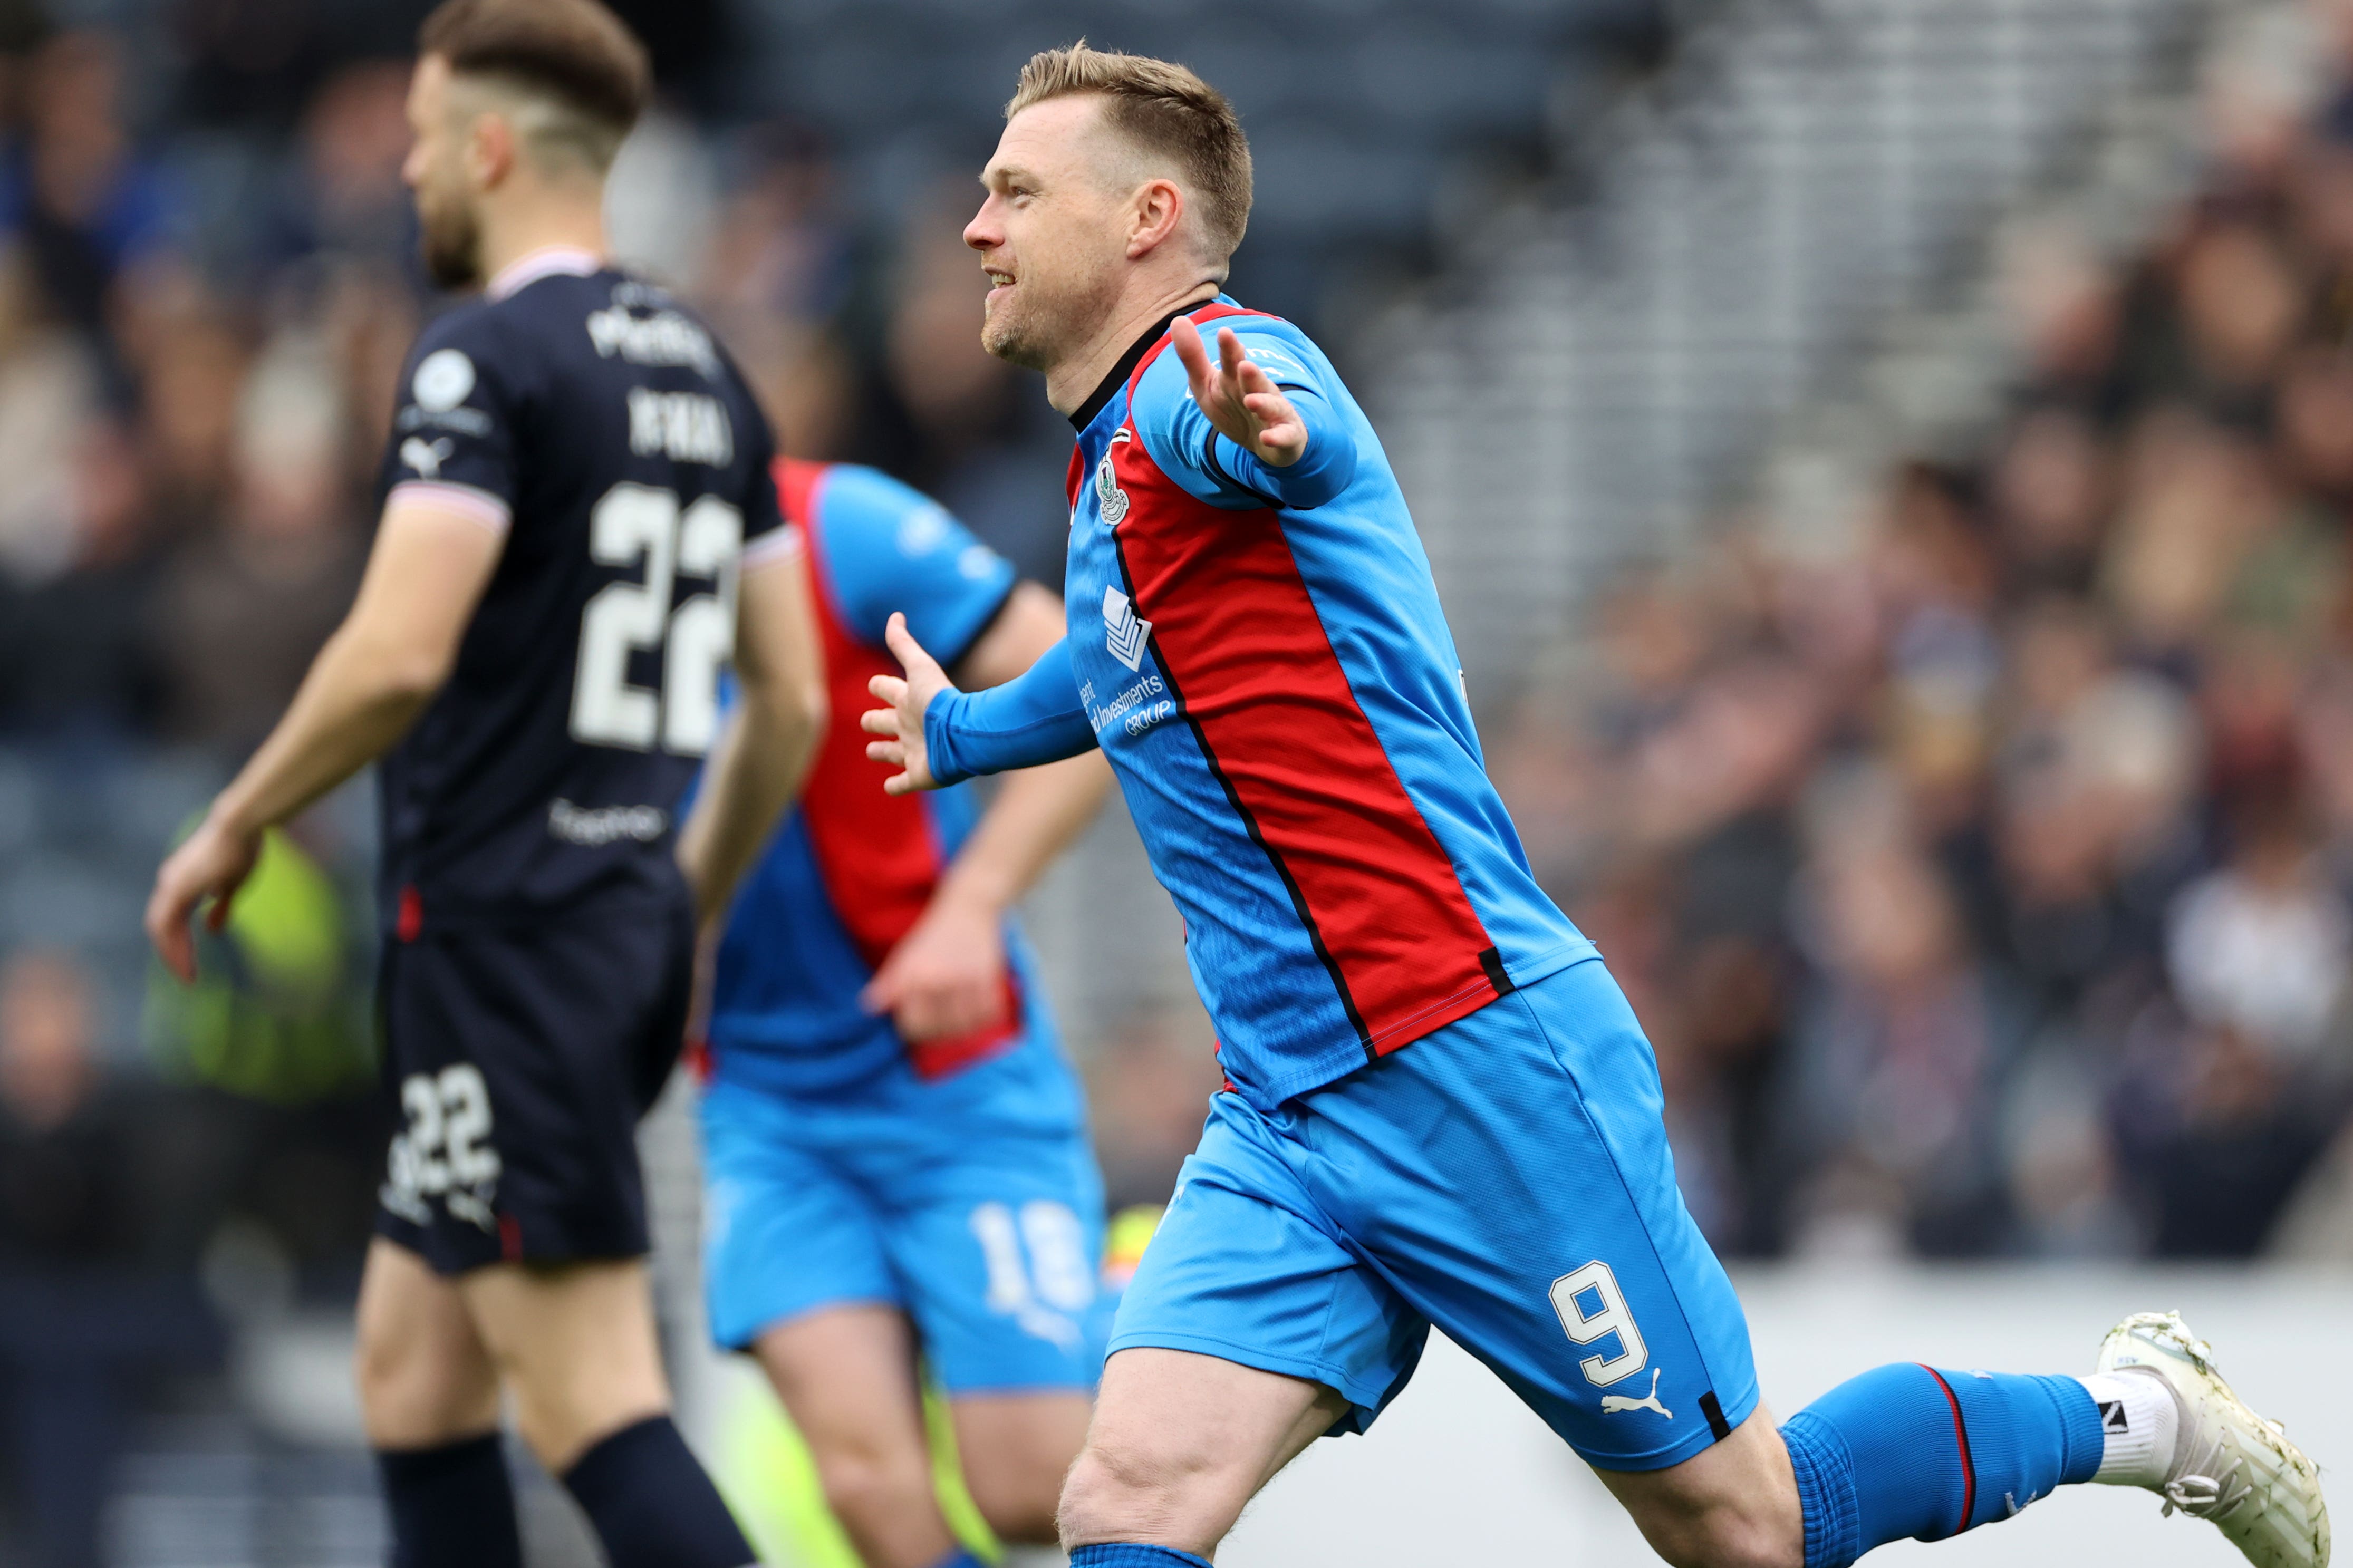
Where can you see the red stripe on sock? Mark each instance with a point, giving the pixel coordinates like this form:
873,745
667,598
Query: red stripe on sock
1960,1436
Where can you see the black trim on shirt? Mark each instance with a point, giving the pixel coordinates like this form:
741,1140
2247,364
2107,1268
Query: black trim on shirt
953,663
1100,399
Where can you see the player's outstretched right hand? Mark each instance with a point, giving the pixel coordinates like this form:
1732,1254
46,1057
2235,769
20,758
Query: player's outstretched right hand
902,721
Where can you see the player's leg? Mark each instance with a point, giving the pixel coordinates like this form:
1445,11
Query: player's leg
995,1233
524,1156
1249,1329
429,1400
1180,1444
846,1374
1551,1098
429,1390
796,1274
577,1343
1511,1174
1016,1449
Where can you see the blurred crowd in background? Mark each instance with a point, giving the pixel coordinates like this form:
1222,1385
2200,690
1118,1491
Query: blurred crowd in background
1984,884
207,284
1984,887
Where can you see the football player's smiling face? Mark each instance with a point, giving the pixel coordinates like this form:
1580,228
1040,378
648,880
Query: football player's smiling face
1049,231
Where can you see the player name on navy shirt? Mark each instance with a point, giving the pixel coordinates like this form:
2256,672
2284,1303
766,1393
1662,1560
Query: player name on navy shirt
595,422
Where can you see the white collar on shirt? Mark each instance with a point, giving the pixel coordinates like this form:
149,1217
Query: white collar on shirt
545,262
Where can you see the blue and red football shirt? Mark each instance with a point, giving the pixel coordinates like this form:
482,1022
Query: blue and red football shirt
1277,690
851,868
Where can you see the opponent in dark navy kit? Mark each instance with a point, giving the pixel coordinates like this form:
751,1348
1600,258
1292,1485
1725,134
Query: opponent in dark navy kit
576,494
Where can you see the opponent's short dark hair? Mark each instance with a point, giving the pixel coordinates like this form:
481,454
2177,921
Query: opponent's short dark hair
1162,108
576,53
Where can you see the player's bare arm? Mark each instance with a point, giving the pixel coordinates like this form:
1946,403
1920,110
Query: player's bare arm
764,750
1239,398
947,976
376,675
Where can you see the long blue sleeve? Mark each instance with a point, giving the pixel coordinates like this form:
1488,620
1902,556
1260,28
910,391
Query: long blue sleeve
1189,449
1034,718
1322,472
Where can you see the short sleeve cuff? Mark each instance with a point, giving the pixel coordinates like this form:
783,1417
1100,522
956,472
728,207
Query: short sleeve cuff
474,505
785,544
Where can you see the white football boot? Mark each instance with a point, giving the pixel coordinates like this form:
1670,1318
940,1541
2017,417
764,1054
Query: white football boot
2229,1465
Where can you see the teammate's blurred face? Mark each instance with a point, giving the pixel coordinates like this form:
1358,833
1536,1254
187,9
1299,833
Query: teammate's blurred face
1052,231
438,177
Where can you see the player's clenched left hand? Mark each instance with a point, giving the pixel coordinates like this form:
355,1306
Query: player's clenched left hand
212,864
946,977
1240,399
902,721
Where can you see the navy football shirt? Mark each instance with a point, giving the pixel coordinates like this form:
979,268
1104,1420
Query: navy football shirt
595,422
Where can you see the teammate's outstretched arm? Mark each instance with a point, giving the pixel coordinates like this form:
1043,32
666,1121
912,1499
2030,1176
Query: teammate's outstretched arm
945,977
938,735
763,752
375,674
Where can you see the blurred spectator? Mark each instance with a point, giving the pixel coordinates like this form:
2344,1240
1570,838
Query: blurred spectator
243,611
85,204
77,657
48,387
2073,729
81,1314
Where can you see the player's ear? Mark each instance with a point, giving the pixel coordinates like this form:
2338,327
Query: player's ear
490,150
1155,212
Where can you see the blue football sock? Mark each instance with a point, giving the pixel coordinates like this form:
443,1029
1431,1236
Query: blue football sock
1129,1554
651,1504
452,1506
960,1558
1909,1450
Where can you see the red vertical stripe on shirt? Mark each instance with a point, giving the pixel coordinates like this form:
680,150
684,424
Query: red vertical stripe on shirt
1239,638
879,855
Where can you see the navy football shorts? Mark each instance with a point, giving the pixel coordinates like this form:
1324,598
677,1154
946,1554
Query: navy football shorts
521,1058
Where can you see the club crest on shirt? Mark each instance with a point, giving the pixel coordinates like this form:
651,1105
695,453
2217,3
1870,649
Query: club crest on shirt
1107,491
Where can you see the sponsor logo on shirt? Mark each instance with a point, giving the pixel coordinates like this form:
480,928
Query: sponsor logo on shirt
666,337
1124,634
1135,704
427,459
594,827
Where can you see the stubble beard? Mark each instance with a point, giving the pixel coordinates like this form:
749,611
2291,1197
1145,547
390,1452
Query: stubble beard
1041,333
1006,334
451,238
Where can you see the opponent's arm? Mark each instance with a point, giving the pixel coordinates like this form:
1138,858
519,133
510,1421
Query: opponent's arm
1283,444
765,750
947,976
393,652
938,735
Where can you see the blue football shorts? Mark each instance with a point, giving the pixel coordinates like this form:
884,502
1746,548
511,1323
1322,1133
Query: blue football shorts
988,1235
1506,1178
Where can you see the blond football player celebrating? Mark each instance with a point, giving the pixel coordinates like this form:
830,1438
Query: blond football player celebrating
1442,1111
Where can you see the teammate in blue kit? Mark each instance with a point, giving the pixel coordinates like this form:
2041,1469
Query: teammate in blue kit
577,499
896,1151
1440,1109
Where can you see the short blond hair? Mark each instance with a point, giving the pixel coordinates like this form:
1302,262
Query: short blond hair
1162,108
